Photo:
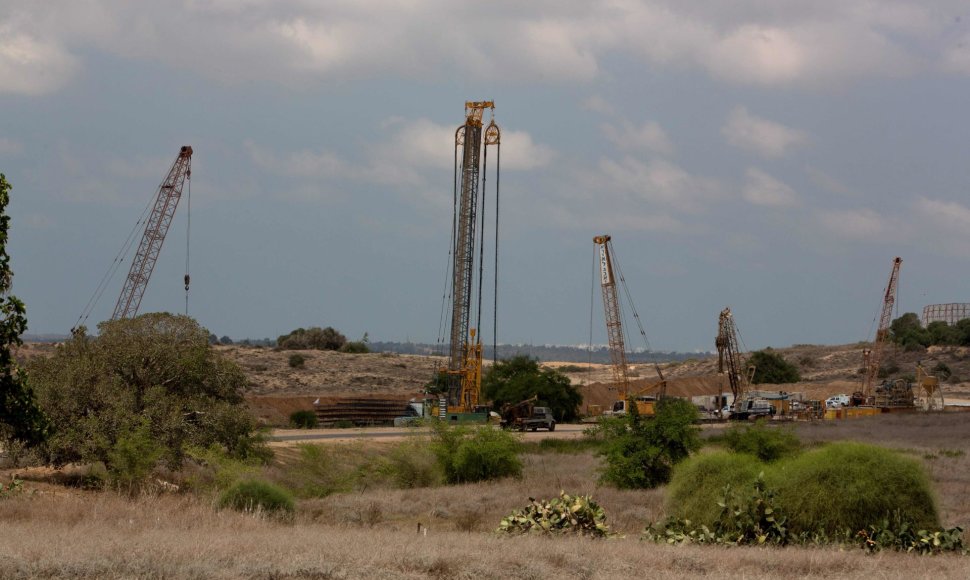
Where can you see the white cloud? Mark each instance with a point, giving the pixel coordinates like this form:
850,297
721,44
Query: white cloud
947,213
297,42
763,189
30,66
659,182
598,104
857,224
761,136
647,137
304,163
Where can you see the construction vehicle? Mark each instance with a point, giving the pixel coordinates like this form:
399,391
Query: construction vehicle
462,378
525,415
888,395
646,404
730,361
156,229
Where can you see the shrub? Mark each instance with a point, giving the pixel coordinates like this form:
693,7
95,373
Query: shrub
845,486
133,458
255,495
355,347
942,371
765,443
771,367
563,515
699,482
520,377
317,473
641,453
469,455
297,361
412,464
212,469
312,338
303,419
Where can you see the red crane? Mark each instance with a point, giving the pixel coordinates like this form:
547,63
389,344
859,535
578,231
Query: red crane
614,323
873,357
166,200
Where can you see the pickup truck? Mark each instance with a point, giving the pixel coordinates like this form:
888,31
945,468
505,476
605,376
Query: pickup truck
541,417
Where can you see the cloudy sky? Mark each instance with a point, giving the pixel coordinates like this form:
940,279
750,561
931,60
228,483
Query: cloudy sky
769,156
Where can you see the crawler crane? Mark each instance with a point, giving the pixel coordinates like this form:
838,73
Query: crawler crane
614,331
730,360
872,358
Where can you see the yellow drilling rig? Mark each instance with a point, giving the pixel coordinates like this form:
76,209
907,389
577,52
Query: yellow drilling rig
460,382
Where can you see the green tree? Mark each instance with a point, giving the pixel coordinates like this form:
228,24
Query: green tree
314,337
21,420
513,380
908,332
154,373
641,452
770,367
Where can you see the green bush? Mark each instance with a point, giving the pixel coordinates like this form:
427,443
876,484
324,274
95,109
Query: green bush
562,515
304,419
297,361
641,453
771,367
133,458
355,347
849,485
318,473
764,442
699,482
469,455
254,495
412,465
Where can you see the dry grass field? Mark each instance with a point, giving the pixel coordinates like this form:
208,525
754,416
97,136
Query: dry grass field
372,531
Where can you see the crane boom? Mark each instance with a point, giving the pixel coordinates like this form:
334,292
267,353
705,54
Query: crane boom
729,357
166,200
614,324
873,357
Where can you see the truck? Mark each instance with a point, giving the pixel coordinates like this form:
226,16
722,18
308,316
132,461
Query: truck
752,409
525,415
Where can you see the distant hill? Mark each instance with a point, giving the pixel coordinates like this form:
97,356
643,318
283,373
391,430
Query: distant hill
542,352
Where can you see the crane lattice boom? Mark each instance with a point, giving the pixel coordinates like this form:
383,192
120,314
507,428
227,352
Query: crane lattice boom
611,309
729,357
166,200
873,357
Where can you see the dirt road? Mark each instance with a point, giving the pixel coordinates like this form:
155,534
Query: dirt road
285,437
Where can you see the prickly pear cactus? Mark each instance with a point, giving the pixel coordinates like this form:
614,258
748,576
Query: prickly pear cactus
566,514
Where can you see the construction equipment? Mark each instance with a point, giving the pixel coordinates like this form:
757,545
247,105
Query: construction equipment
929,396
157,223
614,331
731,361
463,376
872,358
166,200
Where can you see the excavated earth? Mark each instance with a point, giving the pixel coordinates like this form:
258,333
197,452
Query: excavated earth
275,389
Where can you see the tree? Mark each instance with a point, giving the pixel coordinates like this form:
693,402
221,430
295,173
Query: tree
153,377
21,420
641,452
519,378
314,337
908,332
770,367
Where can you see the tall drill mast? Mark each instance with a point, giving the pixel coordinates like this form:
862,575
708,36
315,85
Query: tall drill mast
614,324
729,358
873,358
166,200
465,350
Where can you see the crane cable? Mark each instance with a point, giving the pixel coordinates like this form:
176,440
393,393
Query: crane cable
498,172
119,259
188,232
629,298
481,244
443,318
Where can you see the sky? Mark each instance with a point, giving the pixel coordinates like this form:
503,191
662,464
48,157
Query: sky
768,156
